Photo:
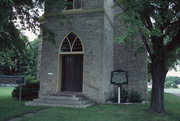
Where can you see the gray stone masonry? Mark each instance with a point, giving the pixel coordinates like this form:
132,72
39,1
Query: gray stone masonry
127,57
94,25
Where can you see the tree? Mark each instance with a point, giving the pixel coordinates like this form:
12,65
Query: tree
32,53
14,61
22,15
22,61
15,51
172,82
158,24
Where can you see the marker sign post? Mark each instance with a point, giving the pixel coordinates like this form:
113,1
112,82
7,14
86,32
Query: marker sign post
119,77
19,80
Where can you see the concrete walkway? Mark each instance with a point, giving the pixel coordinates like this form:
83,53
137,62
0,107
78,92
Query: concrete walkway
173,91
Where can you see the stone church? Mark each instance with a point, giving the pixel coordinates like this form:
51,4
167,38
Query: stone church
84,55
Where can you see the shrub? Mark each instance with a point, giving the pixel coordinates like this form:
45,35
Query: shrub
135,97
124,96
30,79
29,91
170,84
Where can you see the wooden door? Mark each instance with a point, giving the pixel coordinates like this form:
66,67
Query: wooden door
72,73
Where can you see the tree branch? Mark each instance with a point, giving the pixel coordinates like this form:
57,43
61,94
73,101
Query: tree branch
148,22
146,43
175,43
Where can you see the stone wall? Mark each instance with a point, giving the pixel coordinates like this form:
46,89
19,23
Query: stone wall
90,27
136,65
127,58
92,4
95,29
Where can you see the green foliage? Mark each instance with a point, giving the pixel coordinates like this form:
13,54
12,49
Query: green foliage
30,79
172,82
156,22
32,53
170,85
21,14
173,79
132,96
29,91
54,5
14,61
124,95
49,35
135,97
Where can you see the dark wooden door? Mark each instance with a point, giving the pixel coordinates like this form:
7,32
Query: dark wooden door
72,73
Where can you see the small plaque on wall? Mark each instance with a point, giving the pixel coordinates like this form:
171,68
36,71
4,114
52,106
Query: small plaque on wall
119,77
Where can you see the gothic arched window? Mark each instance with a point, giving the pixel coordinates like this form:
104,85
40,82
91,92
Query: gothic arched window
71,43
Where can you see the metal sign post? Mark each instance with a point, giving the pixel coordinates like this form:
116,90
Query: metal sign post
119,94
119,77
20,92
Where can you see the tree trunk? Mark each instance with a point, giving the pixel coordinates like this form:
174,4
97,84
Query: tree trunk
158,78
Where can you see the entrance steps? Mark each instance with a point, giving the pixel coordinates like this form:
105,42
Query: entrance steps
64,99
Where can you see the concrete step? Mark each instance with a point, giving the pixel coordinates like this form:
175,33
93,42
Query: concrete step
61,98
62,101
74,101
31,103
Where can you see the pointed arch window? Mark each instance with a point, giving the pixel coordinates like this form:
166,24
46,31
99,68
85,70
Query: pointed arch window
71,43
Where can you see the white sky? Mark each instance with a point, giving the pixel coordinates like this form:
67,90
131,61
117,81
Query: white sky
174,73
31,36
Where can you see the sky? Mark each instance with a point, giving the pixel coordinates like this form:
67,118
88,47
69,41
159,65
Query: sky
174,73
31,36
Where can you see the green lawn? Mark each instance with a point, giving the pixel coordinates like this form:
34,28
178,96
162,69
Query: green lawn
10,107
111,113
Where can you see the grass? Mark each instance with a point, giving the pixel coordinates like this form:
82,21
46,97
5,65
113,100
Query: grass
10,107
111,113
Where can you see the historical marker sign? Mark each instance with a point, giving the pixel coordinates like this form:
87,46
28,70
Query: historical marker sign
6,79
119,77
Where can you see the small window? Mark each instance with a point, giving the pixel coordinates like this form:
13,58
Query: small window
66,46
71,43
73,4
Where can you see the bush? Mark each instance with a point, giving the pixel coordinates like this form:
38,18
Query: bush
135,97
170,84
29,91
124,96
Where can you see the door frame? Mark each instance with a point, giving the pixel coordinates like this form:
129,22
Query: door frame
59,64
59,75
81,72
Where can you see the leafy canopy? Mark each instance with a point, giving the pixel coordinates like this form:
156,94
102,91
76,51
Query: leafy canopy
21,14
158,22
